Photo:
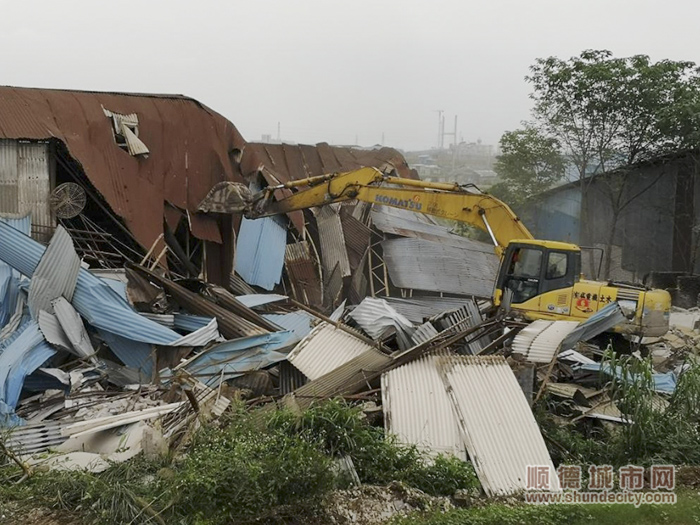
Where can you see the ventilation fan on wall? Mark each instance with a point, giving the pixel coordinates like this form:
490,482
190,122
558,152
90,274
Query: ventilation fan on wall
68,200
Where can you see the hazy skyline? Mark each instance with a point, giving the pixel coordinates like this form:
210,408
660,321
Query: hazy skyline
332,71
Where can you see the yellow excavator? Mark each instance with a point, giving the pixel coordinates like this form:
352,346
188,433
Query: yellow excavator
538,279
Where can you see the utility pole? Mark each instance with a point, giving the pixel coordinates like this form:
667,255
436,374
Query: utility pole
382,138
441,122
279,132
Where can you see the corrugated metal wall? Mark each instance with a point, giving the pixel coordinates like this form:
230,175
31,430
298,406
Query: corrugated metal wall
25,181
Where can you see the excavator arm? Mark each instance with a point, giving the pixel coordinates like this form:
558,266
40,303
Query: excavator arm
449,201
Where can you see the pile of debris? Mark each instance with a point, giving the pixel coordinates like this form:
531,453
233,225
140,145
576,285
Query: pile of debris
99,366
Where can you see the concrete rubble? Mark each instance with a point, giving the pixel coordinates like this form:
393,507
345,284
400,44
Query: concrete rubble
96,367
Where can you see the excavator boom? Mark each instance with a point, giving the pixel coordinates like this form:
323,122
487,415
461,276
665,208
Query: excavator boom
449,201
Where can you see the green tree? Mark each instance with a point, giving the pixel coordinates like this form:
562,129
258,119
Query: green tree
609,113
529,164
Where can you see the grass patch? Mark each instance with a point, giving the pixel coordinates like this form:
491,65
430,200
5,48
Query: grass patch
241,473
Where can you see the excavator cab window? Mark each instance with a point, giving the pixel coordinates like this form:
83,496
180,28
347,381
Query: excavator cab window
532,270
523,276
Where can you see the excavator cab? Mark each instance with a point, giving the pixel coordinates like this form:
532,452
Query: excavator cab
531,268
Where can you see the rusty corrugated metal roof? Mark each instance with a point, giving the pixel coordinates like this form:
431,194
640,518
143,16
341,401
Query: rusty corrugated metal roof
285,162
191,148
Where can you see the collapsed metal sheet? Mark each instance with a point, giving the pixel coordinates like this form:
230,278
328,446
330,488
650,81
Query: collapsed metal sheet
423,333
377,318
101,306
231,325
539,341
325,349
330,234
601,321
189,322
496,422
297,322
304,278
260,299
234,358
260,251
348,378
417,309
134,354
418,411
27,352
468,269
73,327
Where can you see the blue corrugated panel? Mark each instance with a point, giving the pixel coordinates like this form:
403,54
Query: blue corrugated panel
260,251
138,356
190,323
260,299
297,322
96,301
234,358
9,290
25,354
23,224
9,280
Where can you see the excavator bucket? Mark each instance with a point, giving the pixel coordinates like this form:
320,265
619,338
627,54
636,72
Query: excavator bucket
227,197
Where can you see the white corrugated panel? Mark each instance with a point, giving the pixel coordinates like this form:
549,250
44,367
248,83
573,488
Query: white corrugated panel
467,269
375,316
332,240
35,185
418,411
346,379
423,333
9,182
55,275
325,349
539,341
497,424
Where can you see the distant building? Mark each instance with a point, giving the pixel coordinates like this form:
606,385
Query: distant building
659,216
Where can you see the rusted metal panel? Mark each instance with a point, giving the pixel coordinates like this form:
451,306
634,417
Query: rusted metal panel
287,162
496,422
231,326
357,237
189,146
306,283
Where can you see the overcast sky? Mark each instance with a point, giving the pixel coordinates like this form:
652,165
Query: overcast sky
328,70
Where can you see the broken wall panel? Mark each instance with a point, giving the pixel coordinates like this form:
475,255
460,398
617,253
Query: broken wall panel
423,265
325,349
25,182
260,251
496,422
539,341
56,274
418,411
332,240
303,276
